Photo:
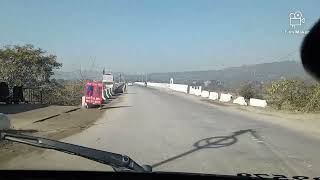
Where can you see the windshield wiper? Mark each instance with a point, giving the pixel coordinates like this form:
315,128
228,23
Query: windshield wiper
117,161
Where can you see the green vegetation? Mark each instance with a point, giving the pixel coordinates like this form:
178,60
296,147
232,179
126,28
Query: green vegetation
65,92
26,65
32,67
247,91
296,95
285,94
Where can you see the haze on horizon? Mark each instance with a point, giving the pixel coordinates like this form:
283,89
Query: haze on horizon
157,36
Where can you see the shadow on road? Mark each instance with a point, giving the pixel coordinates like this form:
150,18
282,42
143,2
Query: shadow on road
117,94
19,131
115,107
18,108
111,98
211,142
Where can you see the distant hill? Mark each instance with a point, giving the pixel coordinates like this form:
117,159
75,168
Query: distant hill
257,72
233,76
227,78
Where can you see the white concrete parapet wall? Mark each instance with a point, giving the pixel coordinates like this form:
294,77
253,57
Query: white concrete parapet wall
4,122
225,97
198,91
179,87
213,96
158,85
154,85
191,90
205,94
257,102
240,100
174,87
139,83
83,102
195,90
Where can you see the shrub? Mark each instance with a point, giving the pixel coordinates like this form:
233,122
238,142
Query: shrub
65,93
294,95
247,91
313,99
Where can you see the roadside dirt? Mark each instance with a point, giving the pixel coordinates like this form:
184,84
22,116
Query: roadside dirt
305,123
22,115
268,111
54,122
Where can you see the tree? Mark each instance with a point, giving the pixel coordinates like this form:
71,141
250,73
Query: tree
247,91
26,65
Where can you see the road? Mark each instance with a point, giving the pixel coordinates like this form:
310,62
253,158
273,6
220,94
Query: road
177,133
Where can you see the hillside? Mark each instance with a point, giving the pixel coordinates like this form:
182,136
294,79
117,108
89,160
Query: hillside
232,77
257,72
228,77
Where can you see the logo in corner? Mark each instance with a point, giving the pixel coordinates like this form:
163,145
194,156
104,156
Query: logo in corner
296,22
296,19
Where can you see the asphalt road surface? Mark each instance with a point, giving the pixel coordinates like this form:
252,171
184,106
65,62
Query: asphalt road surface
177,133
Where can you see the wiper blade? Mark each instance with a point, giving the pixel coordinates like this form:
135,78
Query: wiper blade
117,161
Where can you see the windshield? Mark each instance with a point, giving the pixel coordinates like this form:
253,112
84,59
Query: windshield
184,86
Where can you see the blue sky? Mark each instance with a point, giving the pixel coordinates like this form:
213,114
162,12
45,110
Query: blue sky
137,36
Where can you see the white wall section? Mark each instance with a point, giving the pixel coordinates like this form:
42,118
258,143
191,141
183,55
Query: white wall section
197,90
179,87
225,97
158,85
257,102
240,100
205,94
213,96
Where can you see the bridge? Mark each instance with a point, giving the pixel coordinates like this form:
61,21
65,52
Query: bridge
175,131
